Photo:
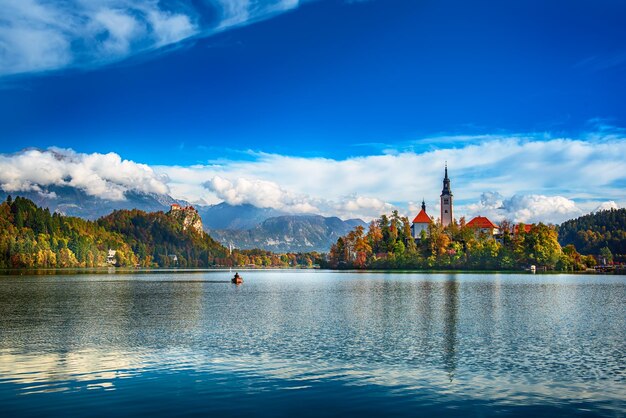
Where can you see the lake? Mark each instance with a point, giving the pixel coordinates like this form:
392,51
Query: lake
312,343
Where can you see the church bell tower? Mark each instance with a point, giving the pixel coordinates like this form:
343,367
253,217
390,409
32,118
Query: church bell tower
446,200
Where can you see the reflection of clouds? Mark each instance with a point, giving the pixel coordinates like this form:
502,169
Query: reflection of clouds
94,369
61,371
512,340
508,390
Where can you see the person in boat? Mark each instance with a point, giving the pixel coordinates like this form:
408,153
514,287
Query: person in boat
237,278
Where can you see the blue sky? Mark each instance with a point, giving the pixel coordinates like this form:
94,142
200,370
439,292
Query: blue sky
218,83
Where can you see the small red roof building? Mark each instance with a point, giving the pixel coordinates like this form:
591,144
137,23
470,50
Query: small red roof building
527,228
420,223
482,223
422,217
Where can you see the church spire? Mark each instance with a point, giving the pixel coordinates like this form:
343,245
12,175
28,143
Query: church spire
423,204
446,200
446,182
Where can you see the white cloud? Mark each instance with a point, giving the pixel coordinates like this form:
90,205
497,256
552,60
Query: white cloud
267,194
607,206
524,208
259,193
520,179
119,30
44,35
170,28
103,175
237,12
32,35
554,178
360,207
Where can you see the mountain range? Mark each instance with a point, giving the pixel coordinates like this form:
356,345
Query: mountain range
289,233
244,226
70,201
225,216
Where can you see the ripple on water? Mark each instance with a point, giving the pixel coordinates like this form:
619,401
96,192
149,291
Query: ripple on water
393,343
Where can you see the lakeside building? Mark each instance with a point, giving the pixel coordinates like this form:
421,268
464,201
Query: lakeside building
482,225
446,200
422,220
420,223
111,257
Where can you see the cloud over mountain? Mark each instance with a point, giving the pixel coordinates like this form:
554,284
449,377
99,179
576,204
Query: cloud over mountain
259,193
544,178
268,194
102,175
606,206
43,35
516,178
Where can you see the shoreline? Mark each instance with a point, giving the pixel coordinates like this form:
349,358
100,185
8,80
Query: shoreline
163,270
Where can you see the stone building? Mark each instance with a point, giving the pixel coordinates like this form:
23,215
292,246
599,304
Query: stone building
420,223
446,201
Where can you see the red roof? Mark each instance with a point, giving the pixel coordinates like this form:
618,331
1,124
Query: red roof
481,222
527,228
422,218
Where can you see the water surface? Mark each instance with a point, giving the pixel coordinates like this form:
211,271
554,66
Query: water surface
312,343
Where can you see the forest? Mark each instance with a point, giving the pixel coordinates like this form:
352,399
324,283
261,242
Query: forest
32,237
388,244
602,232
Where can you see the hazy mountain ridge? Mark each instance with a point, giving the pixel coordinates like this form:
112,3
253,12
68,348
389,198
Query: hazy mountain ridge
71,201
296,233
241,217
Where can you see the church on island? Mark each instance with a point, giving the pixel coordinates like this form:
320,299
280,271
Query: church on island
420,224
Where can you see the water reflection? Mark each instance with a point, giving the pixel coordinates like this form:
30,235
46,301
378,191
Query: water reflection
66,315
53,372
376,340
73,372
451,306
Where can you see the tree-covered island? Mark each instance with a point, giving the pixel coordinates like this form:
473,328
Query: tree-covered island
390,243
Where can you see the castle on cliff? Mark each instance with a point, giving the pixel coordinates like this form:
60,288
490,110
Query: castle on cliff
188,215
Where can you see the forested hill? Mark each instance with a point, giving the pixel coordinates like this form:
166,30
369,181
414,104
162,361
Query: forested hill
591,233
33,237
156,237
